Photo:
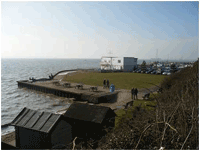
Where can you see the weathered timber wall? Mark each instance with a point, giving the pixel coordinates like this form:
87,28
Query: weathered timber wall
58,92
91,98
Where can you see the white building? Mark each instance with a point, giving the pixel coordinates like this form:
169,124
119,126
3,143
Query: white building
116,63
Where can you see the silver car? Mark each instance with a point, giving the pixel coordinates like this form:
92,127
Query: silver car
165,72
169,73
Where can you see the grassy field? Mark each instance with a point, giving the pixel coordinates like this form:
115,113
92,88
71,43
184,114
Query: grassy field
120,80
144,104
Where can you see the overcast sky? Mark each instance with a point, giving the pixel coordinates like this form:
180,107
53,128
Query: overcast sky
93,29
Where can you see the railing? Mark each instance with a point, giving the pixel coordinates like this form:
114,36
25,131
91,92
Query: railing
105,63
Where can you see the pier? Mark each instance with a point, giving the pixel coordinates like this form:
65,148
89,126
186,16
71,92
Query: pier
70,92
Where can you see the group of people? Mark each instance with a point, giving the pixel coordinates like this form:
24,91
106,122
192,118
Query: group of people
106,83
33,79
134,93
51,76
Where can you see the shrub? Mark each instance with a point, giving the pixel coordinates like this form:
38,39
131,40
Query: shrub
174,123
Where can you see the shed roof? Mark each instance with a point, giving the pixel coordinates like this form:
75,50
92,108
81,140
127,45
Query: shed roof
86,112
35,120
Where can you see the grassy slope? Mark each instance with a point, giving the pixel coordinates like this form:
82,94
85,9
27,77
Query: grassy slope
178,106
120,80
144,104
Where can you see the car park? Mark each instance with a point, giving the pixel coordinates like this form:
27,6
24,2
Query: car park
149,71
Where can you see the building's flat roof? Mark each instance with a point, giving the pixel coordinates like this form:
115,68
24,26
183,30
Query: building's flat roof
109,57
116,57
129,57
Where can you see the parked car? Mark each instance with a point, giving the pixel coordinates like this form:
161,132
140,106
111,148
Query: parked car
165,72
135,71
169,73
149,71
139,71
153,72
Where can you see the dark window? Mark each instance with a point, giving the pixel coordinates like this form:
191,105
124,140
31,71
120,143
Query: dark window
119,61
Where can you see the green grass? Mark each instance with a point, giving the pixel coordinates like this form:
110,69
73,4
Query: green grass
121,113
120,80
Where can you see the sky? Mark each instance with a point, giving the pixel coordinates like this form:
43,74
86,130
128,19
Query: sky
145,30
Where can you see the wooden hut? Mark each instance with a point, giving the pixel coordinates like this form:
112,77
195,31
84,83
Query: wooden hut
89,121
41,130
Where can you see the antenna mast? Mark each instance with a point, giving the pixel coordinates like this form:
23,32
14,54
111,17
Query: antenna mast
157,55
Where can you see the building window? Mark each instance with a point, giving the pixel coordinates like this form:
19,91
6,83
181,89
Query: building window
119,61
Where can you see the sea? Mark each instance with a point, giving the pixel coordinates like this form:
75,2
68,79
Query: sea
14,99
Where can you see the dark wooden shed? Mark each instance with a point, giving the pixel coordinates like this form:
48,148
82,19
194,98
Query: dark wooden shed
89,121
41,130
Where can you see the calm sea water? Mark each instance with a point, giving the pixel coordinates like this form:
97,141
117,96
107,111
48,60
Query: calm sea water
14,99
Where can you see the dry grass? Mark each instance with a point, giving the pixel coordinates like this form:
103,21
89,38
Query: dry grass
174,123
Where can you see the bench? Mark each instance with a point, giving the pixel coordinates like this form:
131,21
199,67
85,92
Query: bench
93,88
56,83
159,90
128,104
67,85
146,96
79,86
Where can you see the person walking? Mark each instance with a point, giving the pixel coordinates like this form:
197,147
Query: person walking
132,93
136,92
104,83
108,85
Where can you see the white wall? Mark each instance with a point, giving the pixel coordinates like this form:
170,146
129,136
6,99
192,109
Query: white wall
106,60
116,64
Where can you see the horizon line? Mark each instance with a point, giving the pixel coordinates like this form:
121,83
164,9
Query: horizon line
177,59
